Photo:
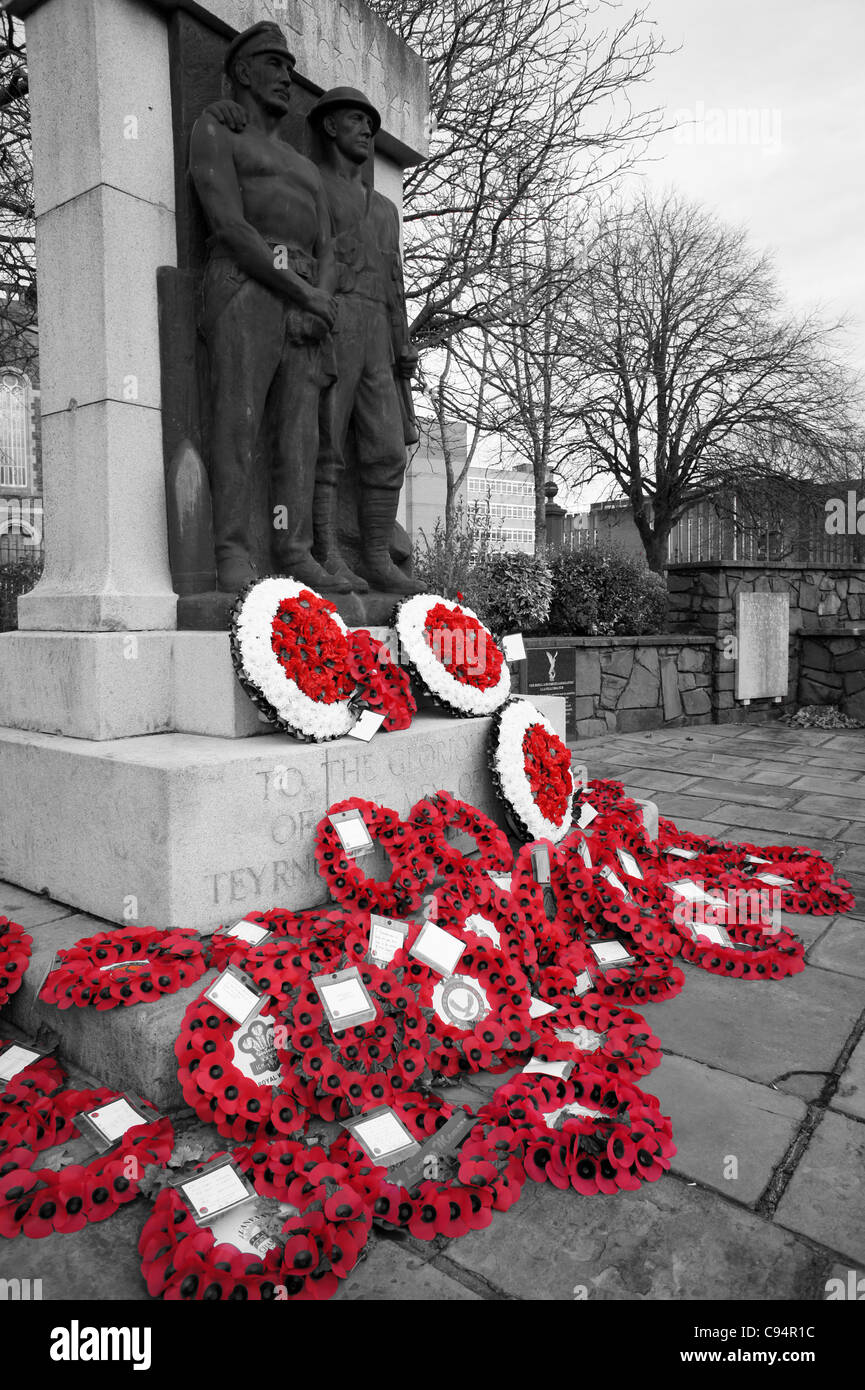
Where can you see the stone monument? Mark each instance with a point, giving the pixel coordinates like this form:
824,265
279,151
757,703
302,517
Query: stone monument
134,788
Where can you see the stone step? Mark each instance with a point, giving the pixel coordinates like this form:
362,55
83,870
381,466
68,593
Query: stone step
129,1049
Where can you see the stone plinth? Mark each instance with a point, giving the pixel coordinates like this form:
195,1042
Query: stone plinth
179,830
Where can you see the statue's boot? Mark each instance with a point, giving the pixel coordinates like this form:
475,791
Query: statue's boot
377,510
234,573
306,570
327,551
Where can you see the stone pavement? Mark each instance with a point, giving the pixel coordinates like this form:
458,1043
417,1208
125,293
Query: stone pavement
765,1084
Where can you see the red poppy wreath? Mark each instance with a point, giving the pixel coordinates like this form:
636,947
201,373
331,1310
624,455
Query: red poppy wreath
299,944
131,965
236,1076
531,772
326,1227
32,1079
612,1038
335,1071
290,651
36,1202
477,1014
434,815
454,657
484,1175
15,949
345,880
593,1132
382,686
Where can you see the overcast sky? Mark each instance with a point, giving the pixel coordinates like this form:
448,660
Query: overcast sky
769,101
792,169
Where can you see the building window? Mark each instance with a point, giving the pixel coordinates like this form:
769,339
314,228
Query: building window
15,429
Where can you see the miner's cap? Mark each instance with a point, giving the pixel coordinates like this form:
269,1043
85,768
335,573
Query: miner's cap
339,97
259,38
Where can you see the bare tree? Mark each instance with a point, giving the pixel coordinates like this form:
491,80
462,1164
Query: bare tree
691,378
518,88
17,244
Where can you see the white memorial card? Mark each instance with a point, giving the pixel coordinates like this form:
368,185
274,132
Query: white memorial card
233,995
514,647
115,1118
367,726
383,1136
774,880
584,983
560,1069
216,1190
345,998
541,864
14,1058
682,853
585,855
252,932
629,864
615,882
244,1231
539,1008
753,859
387,935
611,953
438,948
501,881
353,834
714,933
587,815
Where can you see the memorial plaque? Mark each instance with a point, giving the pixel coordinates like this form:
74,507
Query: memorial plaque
763,632
553,671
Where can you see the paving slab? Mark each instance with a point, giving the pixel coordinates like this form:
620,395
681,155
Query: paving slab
826,1198
29,909
850,1095
98,1264
829,786
846,807
667,1241
718,1118
749,794
780,823
129,1049
842,949
395,1272
808,928
759,1029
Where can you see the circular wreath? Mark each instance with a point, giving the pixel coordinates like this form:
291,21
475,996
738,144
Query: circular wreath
382,685
477,1014
627,1144
454,657
181,1260
301,942
650,980
531,772
485,1175
15,949
432,816
336,1072
292,657
35,1202
219,1091
613,1039
344,877
604,906
39,1078
93,971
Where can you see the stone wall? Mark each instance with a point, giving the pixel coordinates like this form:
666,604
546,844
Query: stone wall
621,684
702,596
832,671
822,597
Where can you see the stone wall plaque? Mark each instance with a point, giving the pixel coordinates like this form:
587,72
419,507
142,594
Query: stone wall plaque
763,634
552,671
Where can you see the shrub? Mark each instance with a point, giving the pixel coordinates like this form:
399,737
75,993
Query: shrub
16,577
599,592
456,564
518,592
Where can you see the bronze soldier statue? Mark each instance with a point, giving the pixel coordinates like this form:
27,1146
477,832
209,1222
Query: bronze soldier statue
268,309
375,362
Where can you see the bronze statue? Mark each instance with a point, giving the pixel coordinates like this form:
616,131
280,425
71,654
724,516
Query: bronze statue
375,362
268,309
